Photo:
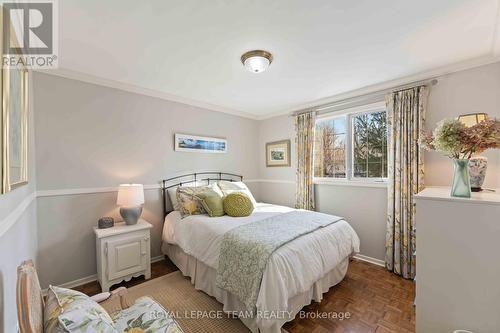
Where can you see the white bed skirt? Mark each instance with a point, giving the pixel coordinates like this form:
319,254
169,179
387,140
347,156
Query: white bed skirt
203,278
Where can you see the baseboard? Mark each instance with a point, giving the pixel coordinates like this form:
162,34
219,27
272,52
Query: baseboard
371,260
92,278
79,282
158,258
74,283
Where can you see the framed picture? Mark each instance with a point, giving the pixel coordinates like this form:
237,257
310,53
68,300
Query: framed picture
278,153
199,144
14,125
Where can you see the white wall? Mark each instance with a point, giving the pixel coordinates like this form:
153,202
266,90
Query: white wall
474,90
91,136
18,230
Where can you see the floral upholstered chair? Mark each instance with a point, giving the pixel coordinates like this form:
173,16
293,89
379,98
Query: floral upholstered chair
70,311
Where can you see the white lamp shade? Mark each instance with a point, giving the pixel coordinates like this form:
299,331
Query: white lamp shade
257,64
130,195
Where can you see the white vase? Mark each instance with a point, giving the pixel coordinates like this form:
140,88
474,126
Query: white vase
477,171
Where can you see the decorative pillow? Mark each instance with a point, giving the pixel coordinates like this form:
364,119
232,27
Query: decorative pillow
189,203
232,187
69,310
237,204
172,194
211,202
145,315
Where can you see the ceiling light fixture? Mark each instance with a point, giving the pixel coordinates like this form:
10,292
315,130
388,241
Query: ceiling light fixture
256,61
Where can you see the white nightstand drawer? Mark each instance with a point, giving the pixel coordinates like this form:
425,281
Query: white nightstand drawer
126,255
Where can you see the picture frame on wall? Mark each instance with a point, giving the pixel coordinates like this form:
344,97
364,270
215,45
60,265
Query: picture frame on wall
14,124
278,154
199,144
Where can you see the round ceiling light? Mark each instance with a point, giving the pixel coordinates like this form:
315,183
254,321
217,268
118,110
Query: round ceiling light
256,61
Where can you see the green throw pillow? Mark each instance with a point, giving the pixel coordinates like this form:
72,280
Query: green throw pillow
237,204
211,202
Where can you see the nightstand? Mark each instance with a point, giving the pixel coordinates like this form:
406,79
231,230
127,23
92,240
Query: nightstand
123,252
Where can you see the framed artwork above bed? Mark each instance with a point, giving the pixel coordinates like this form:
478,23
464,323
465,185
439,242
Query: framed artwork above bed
278,153
197,144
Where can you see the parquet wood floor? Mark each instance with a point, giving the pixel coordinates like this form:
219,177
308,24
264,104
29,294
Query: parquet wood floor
376,300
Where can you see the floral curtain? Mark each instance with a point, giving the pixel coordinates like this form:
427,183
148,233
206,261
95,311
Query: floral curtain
304,137
405,120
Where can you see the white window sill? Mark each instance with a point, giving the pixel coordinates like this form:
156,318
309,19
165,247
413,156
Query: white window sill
344,182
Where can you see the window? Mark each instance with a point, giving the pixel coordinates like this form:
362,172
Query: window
369,145
329,148
352,145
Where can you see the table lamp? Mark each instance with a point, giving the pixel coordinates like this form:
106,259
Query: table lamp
472,119
130,199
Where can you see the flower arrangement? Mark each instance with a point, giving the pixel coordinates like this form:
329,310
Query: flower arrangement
458,141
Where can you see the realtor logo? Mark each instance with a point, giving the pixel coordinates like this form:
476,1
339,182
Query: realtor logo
29,34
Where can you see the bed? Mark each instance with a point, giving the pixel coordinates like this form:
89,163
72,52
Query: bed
296,273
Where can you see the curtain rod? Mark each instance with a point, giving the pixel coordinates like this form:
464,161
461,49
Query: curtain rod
373,95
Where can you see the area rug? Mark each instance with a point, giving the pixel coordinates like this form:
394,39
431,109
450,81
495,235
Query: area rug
178,296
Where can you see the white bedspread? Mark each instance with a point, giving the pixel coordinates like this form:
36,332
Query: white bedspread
292,269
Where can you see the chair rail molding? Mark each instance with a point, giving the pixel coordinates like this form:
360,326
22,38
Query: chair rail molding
16,213
91,190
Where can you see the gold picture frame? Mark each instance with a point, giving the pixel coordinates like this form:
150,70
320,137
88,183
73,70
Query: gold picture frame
14,125
278,154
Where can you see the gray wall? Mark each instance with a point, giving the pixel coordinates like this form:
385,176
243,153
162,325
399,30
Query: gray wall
474,90
19,242
364,207
90,136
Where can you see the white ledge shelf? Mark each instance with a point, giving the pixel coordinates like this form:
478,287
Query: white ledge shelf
444,194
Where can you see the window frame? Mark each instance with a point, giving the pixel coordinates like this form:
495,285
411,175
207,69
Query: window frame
349,113
347,136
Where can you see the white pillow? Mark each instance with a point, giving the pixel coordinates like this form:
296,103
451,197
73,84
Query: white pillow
172,194
231,187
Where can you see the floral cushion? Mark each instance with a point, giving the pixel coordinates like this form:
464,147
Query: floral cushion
71,311
145,316
189,203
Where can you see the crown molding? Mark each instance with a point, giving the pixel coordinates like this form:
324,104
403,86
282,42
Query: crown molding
434,73
493,57
100,81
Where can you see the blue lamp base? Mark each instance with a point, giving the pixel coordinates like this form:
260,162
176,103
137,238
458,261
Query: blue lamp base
131,214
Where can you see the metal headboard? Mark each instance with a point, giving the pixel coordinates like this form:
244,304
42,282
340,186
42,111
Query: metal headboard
195,179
